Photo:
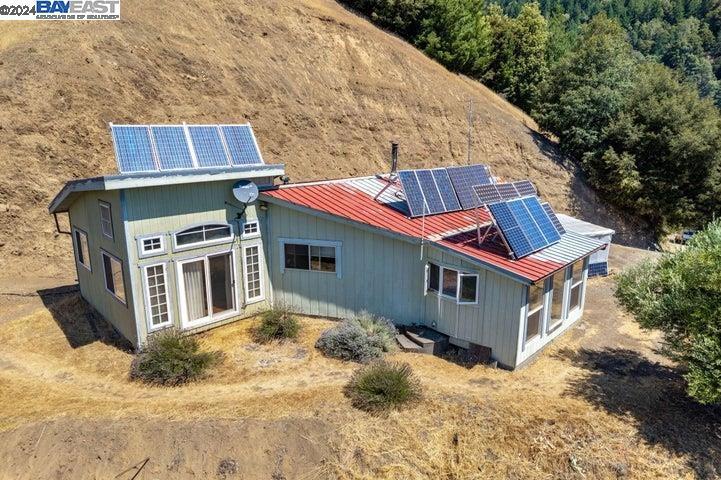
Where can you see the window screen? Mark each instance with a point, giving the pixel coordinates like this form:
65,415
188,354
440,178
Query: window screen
450,282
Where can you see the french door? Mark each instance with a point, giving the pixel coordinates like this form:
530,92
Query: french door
207,289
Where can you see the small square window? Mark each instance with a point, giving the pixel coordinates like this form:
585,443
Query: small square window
149,246
251,229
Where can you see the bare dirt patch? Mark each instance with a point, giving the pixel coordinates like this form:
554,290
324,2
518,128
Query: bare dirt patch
599,403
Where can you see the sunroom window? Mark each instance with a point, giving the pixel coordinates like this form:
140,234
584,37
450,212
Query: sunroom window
576,285
210,233
534,319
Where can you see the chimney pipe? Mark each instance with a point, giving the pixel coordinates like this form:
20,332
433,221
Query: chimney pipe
394,157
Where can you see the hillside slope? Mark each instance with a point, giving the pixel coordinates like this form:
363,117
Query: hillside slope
323,88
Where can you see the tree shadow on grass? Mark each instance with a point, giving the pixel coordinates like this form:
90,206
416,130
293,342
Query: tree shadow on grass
627,384
80,323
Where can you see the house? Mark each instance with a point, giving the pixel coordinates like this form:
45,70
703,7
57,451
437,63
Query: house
598,263
165,242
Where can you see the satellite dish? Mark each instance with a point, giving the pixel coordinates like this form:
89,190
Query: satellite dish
245,191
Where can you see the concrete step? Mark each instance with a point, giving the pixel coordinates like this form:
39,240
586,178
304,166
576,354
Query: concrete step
407,345
430,341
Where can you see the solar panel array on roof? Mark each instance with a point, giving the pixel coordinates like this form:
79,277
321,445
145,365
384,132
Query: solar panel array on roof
496,192
148,148
525,224
465,178
428,192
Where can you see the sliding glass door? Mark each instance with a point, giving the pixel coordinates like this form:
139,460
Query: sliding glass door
207,289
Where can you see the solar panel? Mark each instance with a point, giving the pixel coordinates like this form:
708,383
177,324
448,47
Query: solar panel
208,146
527,224
464,179
507,191
241,144
445,188
172,147
510,229
413,193
430,191
542,219
133,149
554,219
525,187
487,194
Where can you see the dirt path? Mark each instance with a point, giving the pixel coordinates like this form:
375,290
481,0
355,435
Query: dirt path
599,403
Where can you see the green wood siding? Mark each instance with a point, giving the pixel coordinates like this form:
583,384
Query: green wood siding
386,276
165,210
378,274
493,322
85,215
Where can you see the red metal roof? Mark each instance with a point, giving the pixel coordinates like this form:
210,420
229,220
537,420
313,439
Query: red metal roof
454,230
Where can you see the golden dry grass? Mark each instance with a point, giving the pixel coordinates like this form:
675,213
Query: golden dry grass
472,422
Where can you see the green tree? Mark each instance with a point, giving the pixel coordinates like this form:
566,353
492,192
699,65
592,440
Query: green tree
665,145
587,90
519,64
457,34
681,296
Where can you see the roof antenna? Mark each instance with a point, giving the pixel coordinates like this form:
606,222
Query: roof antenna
470,127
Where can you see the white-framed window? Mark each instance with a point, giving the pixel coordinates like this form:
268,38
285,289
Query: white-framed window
253,274
82,250
157,296
454,284
151,245
113,273
558,287
251,229
106,219
534,317
206,234
310,255
575,295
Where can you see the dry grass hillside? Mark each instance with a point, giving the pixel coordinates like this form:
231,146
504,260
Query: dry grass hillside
324,89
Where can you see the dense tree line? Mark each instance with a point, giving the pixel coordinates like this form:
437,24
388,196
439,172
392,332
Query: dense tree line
628,87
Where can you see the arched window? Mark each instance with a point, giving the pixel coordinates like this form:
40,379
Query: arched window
203,234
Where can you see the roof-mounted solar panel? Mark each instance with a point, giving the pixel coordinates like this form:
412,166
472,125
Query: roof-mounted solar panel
448,194
507,191
208,145
241,144
554,218
133,150
487,194
464,179
172,147
525,225
428,192
524,188
413,193
151,148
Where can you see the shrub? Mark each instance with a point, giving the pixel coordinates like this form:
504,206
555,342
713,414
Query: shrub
680,295
361,339
171,358
277,324
382,386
